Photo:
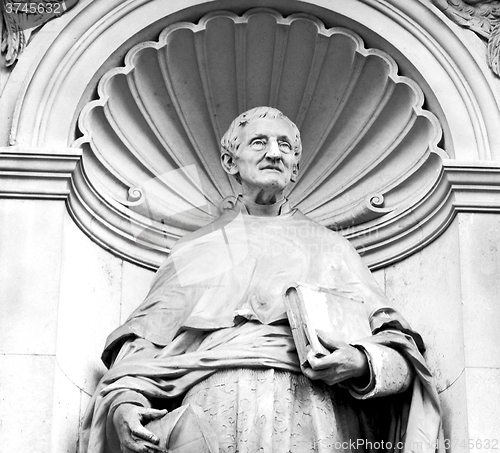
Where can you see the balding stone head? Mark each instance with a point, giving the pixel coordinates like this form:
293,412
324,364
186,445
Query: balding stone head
231,140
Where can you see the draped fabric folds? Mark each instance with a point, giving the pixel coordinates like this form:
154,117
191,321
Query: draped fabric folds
203,316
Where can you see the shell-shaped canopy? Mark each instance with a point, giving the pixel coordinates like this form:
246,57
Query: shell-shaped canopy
368,146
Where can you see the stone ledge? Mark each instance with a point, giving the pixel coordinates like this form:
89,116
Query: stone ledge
57,174
36,172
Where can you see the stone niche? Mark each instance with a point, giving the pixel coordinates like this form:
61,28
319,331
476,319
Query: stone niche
151,139
115,111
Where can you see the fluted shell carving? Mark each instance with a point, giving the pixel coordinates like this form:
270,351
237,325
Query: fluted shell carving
152,136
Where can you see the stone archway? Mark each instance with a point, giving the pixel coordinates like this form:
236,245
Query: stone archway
151,138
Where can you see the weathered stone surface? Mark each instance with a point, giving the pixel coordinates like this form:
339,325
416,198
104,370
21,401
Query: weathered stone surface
426,288
480,277
30,267
26,402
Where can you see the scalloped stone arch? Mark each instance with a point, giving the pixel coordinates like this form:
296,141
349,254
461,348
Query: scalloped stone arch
370,149
96,36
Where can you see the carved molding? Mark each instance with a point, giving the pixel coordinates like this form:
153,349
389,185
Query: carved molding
111,203
461,187
19,19
59,70
37,174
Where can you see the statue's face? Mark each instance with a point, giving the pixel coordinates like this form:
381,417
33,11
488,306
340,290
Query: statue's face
265,157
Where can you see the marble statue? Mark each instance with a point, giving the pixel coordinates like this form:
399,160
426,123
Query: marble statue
213,332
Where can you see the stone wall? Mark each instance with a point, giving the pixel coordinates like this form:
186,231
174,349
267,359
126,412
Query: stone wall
61,296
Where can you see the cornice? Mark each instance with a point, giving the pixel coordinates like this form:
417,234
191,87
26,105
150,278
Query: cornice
59,174
58,71
37,173
122,232
461,187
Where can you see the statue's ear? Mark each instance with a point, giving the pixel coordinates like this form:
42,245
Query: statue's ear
228,163
295,172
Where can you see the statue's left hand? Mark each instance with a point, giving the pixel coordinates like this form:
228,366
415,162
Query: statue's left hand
129,421
344,362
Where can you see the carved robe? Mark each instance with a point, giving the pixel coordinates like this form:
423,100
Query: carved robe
213,330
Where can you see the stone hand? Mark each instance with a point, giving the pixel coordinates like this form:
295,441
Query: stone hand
344,362
129,421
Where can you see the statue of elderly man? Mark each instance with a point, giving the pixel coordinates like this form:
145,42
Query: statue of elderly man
213,331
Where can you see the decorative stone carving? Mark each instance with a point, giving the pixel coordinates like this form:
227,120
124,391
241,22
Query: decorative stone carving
37,173
151,140
480,16
21,18
42,167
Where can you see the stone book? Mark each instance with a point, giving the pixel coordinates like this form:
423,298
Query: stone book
336,314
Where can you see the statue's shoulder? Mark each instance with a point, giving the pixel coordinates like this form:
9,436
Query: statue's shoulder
318,229
220,222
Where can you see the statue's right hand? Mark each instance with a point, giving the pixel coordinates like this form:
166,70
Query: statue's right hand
129,421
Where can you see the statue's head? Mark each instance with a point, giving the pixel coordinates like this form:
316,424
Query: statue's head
262,147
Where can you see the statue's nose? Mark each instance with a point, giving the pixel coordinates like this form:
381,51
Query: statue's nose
273,150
